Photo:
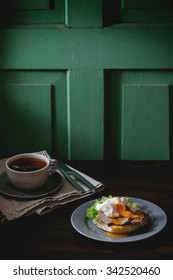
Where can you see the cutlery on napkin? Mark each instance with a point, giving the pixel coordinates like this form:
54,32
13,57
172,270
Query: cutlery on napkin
11,209
67,171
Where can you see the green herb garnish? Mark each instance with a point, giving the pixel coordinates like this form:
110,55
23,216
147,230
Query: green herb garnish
92,212
131,203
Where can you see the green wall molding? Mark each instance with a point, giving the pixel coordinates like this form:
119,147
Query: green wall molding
119,47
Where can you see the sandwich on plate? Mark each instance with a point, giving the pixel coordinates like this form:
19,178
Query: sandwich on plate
119,215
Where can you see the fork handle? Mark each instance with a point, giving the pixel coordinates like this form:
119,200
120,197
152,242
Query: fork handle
73,182
83,180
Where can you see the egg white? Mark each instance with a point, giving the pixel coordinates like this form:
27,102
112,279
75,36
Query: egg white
108,207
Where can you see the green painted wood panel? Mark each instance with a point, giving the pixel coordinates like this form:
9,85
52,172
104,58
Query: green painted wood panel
65,12
117,47
90,77
28,4
59,117
163,15
145,3
28,117
84,13
113,113
145,122
27,12
86,114
52,111
146,11
139,115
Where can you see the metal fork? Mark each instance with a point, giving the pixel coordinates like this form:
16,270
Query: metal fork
77,175
70,179
44,153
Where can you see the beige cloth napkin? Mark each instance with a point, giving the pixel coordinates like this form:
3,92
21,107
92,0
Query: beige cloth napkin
11,209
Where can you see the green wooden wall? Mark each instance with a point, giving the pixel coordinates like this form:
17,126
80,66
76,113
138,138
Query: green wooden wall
87,79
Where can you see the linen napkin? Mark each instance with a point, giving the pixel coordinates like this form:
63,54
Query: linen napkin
12,208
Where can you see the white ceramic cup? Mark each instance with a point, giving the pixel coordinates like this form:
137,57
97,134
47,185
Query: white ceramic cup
30,170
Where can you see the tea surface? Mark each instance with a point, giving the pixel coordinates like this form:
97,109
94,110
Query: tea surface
27,164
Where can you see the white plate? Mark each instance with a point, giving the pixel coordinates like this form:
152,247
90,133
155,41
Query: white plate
85,226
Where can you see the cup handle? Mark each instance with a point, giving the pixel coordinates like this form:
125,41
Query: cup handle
53,166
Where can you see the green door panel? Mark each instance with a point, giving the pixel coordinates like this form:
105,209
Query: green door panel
84,13
59,117
29,4
145,3
28,117
85,114
145,122
21,12
146,11
139,115
28,110
52,111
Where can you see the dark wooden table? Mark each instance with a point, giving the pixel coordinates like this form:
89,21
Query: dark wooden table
52,236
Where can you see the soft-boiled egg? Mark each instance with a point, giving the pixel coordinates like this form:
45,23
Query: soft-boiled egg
109,208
